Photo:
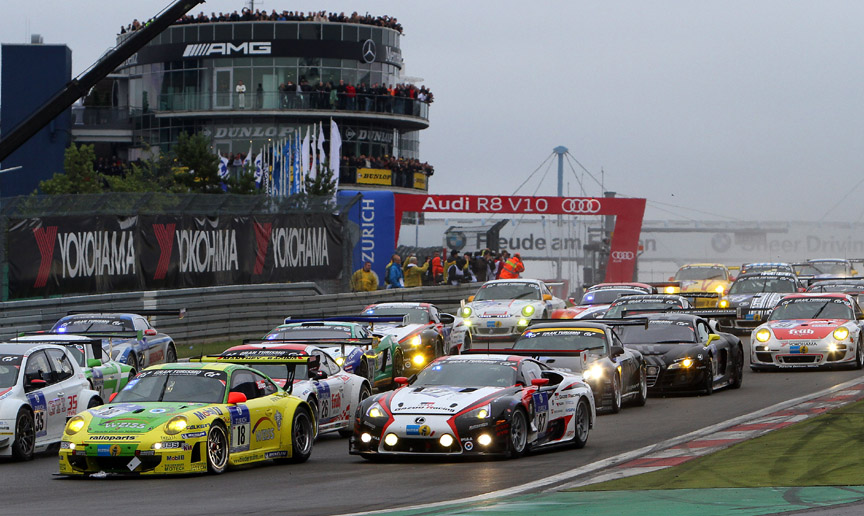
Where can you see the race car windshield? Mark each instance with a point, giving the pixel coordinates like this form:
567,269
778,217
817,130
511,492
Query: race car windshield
468,374
9,367
766,267
700,273
759,285
605,297
310,332
498,291
174,386
666,332
812,309
826,268
620,310
92,325
415,315
564,340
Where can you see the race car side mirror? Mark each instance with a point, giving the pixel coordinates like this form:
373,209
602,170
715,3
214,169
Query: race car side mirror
236,397
37,383
93,362
317,374
150,332
540,382
616,351
470,299
111,398
547,297
712,338
446,318
401,380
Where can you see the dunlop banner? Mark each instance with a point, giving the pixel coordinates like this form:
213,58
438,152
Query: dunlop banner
64,255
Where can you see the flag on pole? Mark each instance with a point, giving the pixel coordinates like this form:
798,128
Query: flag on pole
259,168
298,173
223,167
314,161
248,160
304,158
286,168
335,150
321,154
271,183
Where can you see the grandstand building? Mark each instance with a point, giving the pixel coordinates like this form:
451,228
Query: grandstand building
188,78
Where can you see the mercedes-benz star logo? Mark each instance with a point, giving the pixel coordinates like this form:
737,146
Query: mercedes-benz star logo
420,420
368,51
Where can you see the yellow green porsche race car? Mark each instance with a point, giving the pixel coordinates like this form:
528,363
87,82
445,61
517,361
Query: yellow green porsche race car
190,418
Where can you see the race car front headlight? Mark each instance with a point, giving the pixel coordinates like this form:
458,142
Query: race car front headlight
841,333
176,425
376,411
594,372
446,440
480,413
763,335
416,340
832,347
466,311
724,303
669,290
418,360
74,425
684,363
522,322
720,289
528,310
340,361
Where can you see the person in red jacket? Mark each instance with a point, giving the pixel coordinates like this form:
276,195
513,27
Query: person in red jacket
512,267
437,270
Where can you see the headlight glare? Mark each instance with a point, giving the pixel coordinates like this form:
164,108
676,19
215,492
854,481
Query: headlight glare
416,340
724,303
376,411
391,439
480,413
763,335
446,440
593,373
74,425
841,333
176,425
687,362
418,360
340,361
466,311
720,289
528,310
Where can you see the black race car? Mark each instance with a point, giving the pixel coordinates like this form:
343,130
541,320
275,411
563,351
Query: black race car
641,304
755,294
616,374
683,353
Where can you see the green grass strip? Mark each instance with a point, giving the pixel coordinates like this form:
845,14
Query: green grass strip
822,451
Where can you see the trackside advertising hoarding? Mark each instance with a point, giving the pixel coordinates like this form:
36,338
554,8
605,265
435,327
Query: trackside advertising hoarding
106,253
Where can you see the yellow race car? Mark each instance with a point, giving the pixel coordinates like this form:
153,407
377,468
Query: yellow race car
703,283
190,418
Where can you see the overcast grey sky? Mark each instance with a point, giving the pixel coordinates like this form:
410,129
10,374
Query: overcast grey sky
732,110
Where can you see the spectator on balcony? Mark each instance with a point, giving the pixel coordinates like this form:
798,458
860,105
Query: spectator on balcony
241,93
364,279
365,96
350,97
333,94
259,96
340,93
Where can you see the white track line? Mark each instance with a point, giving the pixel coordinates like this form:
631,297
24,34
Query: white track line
617,459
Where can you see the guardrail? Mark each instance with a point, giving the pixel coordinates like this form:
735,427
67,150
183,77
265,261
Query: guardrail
221,313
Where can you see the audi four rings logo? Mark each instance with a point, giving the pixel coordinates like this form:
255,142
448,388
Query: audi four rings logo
580,205
368,51
420,420
622,255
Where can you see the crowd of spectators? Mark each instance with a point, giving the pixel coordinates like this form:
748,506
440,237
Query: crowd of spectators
110,166
353,97
441,269
259,15
388,162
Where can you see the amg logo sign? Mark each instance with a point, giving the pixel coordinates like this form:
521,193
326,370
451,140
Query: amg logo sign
259,48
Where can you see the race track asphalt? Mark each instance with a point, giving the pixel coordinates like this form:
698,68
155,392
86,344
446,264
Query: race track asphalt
333,482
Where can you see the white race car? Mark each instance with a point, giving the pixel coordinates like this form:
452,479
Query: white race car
810,330
41,386
332,393
424,328
476,404
502,309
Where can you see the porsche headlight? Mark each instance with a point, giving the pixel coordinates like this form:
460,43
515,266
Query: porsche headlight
763,335
376,411
522,322
466,311
74,425
528,310
416,340
176,425
340,361
594,372
841,333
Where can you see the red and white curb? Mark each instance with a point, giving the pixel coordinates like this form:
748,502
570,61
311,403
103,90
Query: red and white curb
737,431
733,430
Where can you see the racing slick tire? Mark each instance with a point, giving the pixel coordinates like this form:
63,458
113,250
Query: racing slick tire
94,402
363,369
518,433
736,381
466,344
708,383
170,354
217,449
302,437
615,403
134,361
642,394
582,423
313,406
859,356
365,392
25,435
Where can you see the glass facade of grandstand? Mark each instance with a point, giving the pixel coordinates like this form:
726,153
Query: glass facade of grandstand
187,78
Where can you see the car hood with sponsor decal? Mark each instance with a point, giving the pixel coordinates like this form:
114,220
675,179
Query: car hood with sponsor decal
398,330
500,308
139,418
665,354
438,399
761,300
804,329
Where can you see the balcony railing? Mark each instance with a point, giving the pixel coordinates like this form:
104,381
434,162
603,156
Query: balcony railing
383,177
290,100
104,117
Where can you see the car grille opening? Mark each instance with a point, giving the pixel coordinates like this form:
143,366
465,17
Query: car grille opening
764,357
803,359
422,445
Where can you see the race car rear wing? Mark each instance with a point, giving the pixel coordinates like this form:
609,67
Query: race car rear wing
342,343
580,354
698,294
369,320
255,357
180,313
708,313
47,338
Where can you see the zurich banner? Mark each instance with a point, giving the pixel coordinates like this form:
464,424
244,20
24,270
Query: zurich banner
372,225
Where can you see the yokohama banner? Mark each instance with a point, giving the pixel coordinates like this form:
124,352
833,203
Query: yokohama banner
63,255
